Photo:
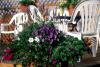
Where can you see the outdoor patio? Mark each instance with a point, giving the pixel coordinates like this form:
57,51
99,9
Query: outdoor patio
49,33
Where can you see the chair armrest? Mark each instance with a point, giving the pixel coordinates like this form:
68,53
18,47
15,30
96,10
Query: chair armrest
75,34
3,29
3,26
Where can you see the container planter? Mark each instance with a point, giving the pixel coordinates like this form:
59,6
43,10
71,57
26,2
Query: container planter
71,9
23,8
63,64
9,65
35,44
24,5
69,4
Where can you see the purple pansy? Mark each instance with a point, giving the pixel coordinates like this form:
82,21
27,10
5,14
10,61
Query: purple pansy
47,33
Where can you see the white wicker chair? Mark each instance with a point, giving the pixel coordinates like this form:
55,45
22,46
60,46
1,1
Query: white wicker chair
89,12
18,19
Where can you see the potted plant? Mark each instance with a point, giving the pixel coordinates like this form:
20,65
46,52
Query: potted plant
70,4
45,46
24,5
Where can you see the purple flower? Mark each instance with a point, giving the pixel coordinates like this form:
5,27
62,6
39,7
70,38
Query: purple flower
39,36
47,34
54,61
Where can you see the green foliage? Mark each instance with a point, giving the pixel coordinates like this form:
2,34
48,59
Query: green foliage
27,2
66,48
68,2
63,5
21,48
72,1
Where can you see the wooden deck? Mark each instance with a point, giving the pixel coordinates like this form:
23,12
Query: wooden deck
89,61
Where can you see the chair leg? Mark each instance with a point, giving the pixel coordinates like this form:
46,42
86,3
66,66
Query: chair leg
98,42
97,45
94,50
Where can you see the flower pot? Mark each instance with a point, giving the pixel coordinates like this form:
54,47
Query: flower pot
32,64
64,64
6,65
71,9
18,65
23,8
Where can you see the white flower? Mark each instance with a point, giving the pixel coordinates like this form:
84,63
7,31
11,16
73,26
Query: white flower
37,39
18,38
20,28
16,32
30,40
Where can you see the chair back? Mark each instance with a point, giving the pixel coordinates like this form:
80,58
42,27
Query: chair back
19,18
35,13
89,13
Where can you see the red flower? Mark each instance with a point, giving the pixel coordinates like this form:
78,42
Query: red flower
8,50
0,60
8,57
